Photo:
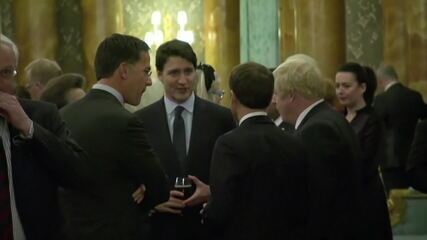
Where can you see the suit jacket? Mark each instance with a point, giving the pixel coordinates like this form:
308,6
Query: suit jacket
121,160
369,131
399,108
41,164
258,184
209,122
334,174
417,160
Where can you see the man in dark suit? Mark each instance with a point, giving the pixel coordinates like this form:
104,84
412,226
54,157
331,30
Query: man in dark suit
417,160
334,167
258,178
182,129
399,108
36,156
119,154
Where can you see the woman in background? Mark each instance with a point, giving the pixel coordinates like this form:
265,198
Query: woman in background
208,86
355,91
64,89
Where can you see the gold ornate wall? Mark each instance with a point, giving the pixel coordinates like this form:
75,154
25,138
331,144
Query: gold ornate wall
72,29
137,20
405,41
222,39
416,22
100,19
35,33
395,40
315,28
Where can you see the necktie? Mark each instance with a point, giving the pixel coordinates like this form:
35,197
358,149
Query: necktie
6,232
179,135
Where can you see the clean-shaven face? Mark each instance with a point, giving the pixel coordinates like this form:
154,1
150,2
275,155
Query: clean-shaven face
178,78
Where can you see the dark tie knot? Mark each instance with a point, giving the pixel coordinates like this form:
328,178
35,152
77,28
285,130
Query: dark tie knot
178,111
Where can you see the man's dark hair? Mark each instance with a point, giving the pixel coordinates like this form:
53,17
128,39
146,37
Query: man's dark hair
174,48
116,49
57,88
253,84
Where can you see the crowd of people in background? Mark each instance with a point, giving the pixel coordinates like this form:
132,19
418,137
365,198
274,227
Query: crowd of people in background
283,162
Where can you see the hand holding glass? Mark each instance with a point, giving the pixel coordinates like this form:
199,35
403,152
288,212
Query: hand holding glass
183,184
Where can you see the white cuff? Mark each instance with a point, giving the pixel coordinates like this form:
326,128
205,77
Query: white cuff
30,133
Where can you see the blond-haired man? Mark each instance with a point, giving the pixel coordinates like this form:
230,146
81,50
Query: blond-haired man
333,165
38,74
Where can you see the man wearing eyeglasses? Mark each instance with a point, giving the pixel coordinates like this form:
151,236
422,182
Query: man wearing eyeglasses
36,156
120,156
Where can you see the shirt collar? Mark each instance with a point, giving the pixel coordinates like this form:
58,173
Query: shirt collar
305,112
278,121
390,85
109,89
187,105
252,114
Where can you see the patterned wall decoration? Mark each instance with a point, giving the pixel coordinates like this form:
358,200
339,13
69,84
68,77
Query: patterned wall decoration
70,36
259,39
6,16
137,19
364,32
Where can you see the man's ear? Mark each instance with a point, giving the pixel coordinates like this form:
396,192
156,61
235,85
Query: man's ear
123,70
363,85
233,97
292,96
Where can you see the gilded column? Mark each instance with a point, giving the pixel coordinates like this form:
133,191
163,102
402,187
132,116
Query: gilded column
287,35
35,31
100,19
315,28
395,50
221,21
416,25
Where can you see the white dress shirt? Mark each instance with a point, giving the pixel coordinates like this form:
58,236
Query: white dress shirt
278,121
390,85
111,90
18,231
252,114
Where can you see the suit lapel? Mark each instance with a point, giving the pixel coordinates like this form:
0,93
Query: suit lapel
196,130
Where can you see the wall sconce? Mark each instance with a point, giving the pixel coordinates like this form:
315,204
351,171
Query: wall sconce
184,35
155,37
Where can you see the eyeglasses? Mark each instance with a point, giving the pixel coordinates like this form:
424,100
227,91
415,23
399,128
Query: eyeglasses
8,73
148,72
217,92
